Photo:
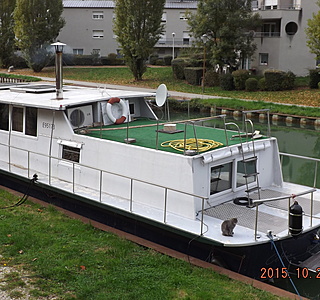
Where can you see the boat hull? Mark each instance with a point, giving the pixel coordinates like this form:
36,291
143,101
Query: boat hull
256,261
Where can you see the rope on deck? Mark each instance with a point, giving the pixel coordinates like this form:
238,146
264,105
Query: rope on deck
192,144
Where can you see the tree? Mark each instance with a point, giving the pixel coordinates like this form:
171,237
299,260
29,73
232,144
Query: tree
6,32
137,26
227,26
37,24
313,33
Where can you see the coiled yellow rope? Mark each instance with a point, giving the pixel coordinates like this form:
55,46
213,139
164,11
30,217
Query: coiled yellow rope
191,144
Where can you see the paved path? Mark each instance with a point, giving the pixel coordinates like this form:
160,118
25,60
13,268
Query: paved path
179,95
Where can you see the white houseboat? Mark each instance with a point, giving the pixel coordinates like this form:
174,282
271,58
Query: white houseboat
103,153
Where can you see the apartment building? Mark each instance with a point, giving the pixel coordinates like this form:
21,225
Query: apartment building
89,25
281,41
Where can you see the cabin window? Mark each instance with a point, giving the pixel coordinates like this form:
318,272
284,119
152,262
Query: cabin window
221,178
131,108
31,121
71,153
4,117
246,171
17,119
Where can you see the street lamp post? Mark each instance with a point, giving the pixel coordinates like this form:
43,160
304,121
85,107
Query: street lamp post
204,39
173,35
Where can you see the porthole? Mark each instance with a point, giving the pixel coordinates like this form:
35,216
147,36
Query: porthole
291,28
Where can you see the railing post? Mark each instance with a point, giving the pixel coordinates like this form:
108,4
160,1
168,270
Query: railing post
100,196
311,209
256,223
131,191
315,175
73,178
49,171
165,206
28,164
289,215
202,209
9,157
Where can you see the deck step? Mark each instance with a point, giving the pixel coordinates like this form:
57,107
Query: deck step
250,159
215,179
253,189
251,175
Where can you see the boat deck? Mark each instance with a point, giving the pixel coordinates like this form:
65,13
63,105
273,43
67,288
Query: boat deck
271,215
144,131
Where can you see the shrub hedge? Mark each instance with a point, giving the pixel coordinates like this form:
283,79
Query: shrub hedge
274,79
167,60
314,78
288,82
262,84
211,78
193,75
240,77
251,84
178,66
153,59
227,82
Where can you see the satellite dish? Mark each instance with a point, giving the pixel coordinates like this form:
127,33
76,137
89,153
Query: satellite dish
161,94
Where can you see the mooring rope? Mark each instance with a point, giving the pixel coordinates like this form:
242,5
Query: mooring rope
269,235
192,144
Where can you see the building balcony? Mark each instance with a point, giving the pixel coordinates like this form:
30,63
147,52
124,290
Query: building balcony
276,7
266,34
179,43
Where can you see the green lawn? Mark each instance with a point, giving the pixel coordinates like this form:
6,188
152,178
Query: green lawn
65,258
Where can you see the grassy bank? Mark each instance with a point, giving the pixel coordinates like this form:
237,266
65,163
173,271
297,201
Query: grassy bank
302,95
65,258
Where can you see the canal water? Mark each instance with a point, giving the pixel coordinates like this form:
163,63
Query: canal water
299,141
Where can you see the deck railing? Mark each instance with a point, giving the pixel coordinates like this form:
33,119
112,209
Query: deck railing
35,155
289,197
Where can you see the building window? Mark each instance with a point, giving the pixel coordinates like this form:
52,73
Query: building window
264,59
269,30
4,117
97,15
220,178
162,39
164,18
183,16
96,51
71,153
78,51
186,38
97,34
271,4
